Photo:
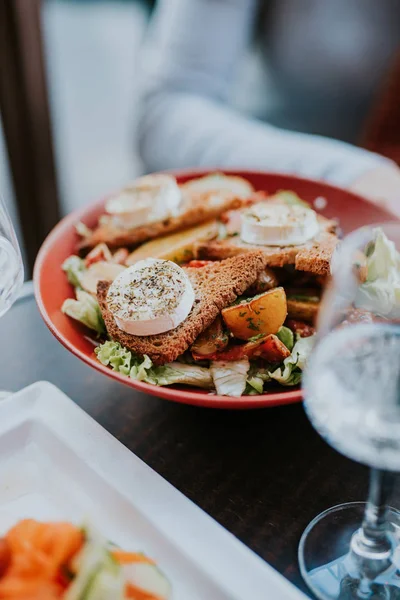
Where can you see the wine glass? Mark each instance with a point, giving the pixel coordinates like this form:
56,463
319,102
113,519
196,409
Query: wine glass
11,268
11,265
352,398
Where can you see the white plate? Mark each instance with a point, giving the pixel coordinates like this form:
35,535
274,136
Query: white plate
58,463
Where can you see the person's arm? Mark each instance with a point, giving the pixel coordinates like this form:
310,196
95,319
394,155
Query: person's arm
195,47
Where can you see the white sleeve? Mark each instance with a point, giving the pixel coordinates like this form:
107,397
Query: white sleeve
193,50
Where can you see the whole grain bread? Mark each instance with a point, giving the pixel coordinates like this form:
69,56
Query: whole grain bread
216,286
198,207
313,256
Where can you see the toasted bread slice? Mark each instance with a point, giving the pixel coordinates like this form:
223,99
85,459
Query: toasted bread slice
313,256
216,286
198,207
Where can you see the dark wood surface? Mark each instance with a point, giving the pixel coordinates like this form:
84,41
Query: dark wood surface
26,121
262,474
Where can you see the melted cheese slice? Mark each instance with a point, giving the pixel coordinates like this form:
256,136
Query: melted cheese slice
150,297
272,224
149,199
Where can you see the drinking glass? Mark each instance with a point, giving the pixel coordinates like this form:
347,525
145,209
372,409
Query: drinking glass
352,398
11,265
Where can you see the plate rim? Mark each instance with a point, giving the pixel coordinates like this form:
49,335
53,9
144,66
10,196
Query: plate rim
183,396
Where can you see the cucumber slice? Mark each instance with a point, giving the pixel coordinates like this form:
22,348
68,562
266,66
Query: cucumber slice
93,559
149,578
106,585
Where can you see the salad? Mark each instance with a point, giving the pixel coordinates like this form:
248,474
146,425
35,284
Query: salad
227,304
51,561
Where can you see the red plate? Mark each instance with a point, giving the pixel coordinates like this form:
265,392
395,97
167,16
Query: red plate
52,288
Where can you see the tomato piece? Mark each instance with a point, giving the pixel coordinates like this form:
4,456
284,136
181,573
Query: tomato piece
101,252
269,347
197,264
5,556
300,327
272,349
236,352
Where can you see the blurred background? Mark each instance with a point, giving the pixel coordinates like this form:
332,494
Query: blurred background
91,50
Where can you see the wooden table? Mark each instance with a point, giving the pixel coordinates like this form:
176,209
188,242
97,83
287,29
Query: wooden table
262,474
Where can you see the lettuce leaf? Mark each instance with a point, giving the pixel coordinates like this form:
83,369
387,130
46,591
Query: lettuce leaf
289,373
86,310
123,361
255,385
230,377
381,291
74,268
286,336
177,372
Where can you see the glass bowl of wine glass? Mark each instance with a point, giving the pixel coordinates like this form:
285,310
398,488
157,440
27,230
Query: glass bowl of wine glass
11,265
352,398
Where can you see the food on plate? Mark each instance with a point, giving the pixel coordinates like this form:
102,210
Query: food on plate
213,339
380,292
152,296
266,280
303,303
147,200
285,230
85,309
271,224
230,377
154,206
221,183
306,310
376,273
176,246
214,287
98,271
51,561
224,300
263,314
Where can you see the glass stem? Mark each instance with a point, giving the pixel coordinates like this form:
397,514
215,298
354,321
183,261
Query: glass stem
375,519
371,545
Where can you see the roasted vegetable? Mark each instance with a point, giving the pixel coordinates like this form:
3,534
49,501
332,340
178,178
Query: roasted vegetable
198,264
263,314
212,340
301,328
305,311
177,247
267,280
303,303
234,352
268,347
272,350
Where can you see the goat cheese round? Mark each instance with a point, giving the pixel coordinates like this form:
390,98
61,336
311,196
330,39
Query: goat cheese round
152,296
148,199
271,224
